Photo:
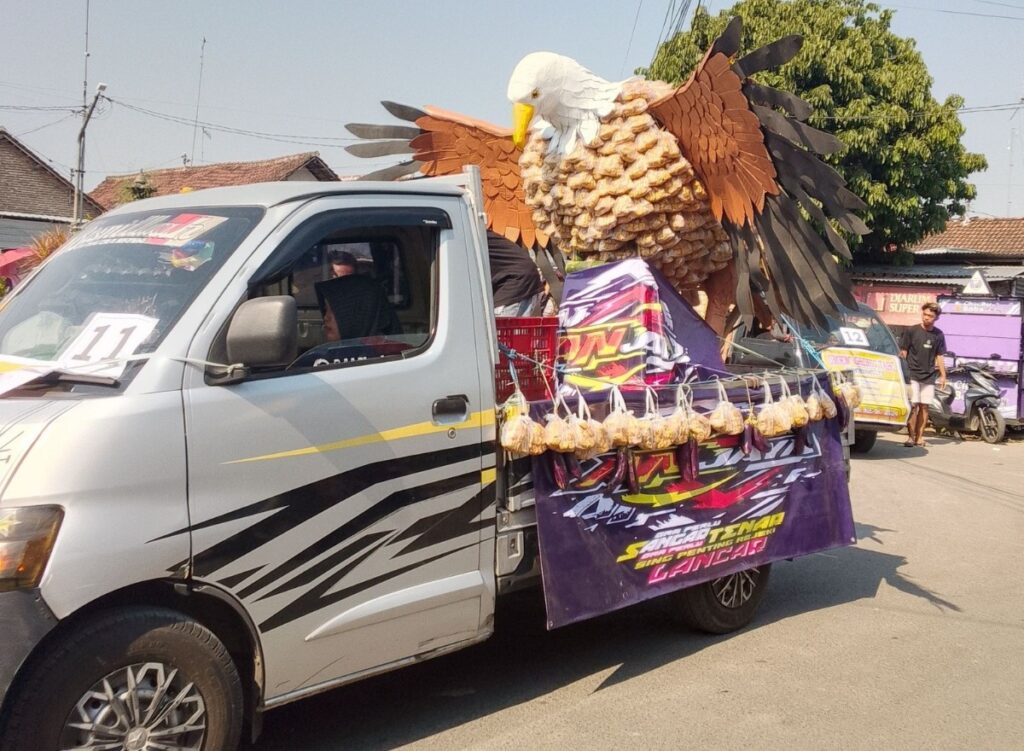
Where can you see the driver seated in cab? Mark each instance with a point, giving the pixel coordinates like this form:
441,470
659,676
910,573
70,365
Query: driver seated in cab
357,316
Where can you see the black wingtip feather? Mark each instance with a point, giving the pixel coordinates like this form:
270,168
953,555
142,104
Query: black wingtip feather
729,42
380,148
772,55
403,111
783,100
393,172
370,130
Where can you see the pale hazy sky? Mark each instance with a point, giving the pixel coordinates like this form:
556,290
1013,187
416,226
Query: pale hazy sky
301,69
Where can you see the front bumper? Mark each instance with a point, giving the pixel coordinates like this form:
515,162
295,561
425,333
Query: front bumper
24,621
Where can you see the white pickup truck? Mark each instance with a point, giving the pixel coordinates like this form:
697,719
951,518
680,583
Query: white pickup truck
206,510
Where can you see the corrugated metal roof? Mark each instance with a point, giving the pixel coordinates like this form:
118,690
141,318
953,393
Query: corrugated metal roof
948,252
933,274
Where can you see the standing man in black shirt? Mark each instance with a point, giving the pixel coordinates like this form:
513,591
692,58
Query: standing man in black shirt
515,279
923,347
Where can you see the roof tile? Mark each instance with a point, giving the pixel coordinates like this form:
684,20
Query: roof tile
173,180
989,237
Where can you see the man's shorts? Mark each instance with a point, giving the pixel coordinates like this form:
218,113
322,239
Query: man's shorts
921,393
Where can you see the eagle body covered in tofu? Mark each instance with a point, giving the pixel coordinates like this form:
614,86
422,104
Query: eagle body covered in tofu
717,182
622,187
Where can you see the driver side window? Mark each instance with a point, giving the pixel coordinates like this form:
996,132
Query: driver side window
364,293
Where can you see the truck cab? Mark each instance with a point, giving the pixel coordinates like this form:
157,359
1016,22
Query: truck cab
208,488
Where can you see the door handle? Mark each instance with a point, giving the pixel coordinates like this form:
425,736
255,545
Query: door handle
450,409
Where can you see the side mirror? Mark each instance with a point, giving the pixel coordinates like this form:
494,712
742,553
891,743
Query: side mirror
264,333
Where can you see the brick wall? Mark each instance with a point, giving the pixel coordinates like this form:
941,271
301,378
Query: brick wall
26,187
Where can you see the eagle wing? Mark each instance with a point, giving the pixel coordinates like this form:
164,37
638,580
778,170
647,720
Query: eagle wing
442,143
760,163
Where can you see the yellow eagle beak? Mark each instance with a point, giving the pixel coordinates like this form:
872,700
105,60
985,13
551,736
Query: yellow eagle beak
522,114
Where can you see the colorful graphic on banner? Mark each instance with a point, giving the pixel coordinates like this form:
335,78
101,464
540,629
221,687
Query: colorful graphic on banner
883,392
624,324
603,548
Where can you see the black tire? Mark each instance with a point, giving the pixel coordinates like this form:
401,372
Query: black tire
991,424
863,441
704,607
146,642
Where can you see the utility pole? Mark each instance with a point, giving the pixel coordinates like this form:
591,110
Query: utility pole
76,216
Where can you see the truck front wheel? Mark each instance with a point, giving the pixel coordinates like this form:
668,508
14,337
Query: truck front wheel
722,605
135,679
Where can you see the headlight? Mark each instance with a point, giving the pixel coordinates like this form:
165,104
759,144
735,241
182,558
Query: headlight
26,538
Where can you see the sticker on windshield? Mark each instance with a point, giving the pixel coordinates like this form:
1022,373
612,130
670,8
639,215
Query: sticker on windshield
174,231
853,337
107,336
190,256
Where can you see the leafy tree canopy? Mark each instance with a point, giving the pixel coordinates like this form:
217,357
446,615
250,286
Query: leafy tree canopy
871,88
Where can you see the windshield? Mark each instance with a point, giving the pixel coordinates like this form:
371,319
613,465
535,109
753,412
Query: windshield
118,286
859,328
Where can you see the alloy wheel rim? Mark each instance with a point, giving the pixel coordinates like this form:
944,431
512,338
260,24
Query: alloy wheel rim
735,590
142,707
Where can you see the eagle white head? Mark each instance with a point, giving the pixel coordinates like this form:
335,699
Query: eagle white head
562,99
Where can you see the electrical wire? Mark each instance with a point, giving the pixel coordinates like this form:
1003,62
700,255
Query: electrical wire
1003,5
46,125
956,12
307,140
37,108
629,46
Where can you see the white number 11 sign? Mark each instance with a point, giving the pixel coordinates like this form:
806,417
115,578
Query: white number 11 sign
107,336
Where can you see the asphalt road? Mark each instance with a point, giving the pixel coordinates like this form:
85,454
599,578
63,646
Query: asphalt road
912,639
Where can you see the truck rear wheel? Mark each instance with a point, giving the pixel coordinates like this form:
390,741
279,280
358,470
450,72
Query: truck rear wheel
134,679
722,605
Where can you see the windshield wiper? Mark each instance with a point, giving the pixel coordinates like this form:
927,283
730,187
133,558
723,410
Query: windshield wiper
59,376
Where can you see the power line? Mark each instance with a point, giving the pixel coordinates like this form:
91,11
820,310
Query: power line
37,108
1003,5
46,125
307,140
629,46
956,12
684,9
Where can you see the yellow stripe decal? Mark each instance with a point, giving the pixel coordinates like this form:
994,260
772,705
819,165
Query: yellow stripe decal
7,367
488,476
475,420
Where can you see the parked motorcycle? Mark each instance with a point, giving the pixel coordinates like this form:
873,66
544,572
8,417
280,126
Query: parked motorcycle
980,413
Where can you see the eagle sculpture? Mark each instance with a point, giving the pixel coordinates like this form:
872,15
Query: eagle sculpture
717,182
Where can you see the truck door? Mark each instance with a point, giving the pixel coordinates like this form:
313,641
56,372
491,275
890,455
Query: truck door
345,500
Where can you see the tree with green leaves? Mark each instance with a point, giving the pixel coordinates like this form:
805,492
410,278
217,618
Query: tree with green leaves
870,87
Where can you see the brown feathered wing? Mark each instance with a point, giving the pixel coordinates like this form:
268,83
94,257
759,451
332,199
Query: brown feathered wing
760,164
443,143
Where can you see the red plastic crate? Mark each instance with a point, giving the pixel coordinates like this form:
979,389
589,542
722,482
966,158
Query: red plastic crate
536,338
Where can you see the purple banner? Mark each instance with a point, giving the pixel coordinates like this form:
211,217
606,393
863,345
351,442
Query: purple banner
605,547
988,307
624,324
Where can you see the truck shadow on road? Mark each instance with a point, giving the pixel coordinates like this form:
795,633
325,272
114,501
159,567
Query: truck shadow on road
523,662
